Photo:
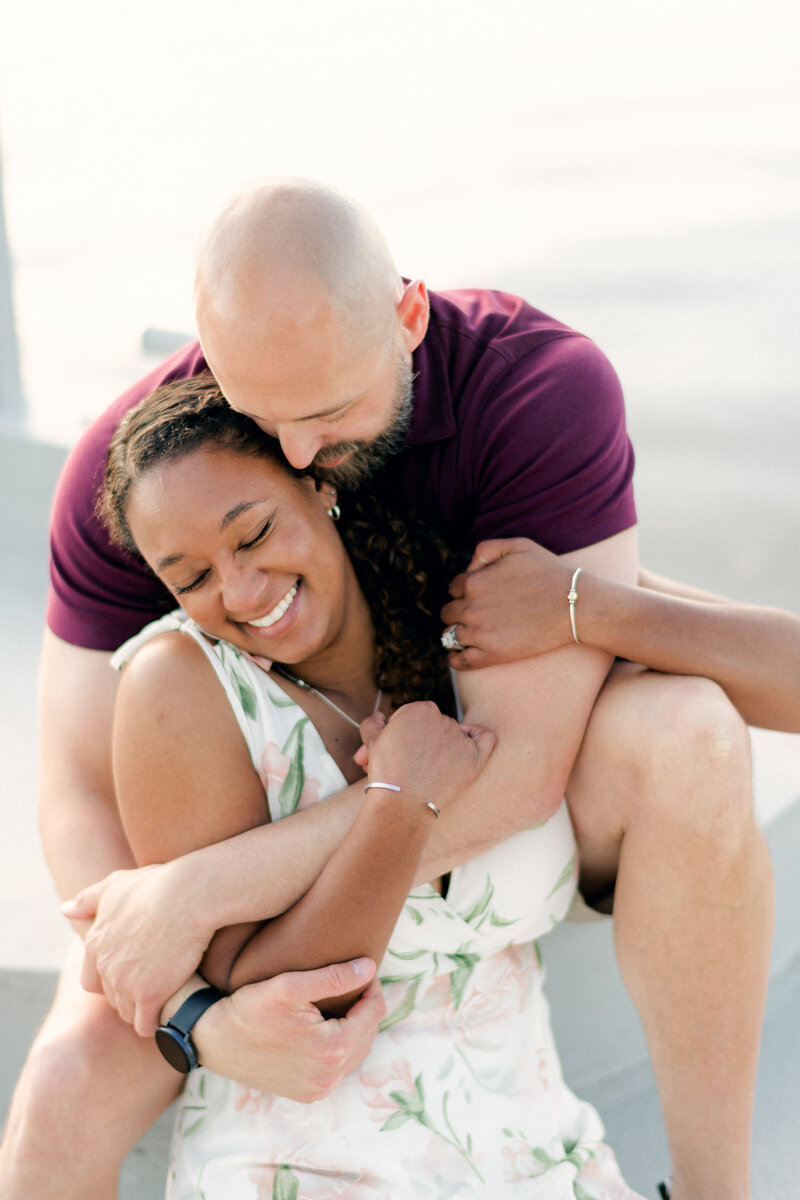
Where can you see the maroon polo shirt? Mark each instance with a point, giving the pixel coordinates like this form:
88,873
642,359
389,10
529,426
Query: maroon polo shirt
518,430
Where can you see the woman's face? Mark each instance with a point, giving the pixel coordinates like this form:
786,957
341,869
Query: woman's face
247,549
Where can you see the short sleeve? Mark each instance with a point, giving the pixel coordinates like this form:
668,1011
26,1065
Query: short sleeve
99,594
555,461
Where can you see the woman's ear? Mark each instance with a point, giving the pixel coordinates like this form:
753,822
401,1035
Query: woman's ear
328,496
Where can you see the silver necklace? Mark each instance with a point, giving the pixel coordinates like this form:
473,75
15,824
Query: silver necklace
301,683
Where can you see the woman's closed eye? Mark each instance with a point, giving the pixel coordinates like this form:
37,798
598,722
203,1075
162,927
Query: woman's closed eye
263,531
248,545
188,587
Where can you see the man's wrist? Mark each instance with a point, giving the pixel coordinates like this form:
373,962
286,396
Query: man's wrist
171,1006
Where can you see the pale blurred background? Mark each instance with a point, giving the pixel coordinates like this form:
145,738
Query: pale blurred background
631,167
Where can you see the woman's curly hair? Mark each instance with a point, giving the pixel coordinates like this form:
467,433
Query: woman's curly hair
403,569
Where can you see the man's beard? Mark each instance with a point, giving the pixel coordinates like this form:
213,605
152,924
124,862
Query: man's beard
364,458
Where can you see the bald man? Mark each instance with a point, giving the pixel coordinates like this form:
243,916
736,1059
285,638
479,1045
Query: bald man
490,419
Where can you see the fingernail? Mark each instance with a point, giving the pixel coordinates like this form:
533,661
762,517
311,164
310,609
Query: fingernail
361,966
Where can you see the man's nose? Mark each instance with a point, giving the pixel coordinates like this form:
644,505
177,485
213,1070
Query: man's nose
299,445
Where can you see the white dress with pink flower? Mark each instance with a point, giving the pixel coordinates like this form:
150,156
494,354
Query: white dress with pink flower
462,1093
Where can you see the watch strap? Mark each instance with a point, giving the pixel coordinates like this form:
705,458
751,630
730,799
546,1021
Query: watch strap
192,1009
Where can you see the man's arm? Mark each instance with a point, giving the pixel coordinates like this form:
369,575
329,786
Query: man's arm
512,603
80,829
538,708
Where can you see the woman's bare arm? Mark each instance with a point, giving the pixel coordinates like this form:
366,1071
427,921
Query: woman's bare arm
184,780
752,653
512,603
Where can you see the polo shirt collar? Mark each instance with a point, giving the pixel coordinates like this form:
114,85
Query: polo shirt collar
433,418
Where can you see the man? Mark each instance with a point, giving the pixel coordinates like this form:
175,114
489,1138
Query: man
513,426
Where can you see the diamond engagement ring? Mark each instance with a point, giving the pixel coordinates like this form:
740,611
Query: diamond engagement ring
450,639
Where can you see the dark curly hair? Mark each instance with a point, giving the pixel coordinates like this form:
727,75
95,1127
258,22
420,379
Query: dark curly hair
403,570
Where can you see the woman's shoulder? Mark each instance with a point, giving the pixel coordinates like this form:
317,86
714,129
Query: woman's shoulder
168,659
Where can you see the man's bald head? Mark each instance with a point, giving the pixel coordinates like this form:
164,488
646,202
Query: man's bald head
284,251
307,325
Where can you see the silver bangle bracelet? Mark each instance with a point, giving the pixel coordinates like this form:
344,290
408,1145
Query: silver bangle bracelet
572,598
394,787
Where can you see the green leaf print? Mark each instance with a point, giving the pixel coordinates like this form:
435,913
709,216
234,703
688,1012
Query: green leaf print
407,954
566,875
395,1121
465,965
581,1192
187,1130
446,1068
481,904
295,781
500,922
411,1106
404,1008
541,1155
414,913
247,696
285,1185
412,1103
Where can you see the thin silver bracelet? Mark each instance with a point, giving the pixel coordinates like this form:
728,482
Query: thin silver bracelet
572,597
393,787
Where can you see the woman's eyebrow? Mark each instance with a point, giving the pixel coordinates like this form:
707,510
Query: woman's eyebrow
237,511
168,561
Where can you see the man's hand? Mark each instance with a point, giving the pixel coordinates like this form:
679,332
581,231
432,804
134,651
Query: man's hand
271,1037
510,603
144,942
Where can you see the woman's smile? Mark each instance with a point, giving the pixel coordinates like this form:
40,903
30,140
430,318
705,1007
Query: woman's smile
248,549
284,608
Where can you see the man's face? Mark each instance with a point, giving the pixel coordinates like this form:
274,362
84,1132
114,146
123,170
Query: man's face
338,410
346,464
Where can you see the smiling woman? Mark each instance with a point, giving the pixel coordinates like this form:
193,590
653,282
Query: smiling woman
236,533
212,736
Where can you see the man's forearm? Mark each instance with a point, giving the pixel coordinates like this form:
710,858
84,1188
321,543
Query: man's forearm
82,838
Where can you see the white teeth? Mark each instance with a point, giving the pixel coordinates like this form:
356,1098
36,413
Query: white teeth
277,612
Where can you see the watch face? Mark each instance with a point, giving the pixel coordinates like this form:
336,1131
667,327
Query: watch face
176,1049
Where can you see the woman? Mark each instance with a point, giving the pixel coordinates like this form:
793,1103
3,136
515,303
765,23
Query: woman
462,1092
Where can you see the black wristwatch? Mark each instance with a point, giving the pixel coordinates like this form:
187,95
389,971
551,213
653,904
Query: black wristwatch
172,1038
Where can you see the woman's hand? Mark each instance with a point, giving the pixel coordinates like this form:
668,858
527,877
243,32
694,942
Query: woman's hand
511,603
144,941
428,755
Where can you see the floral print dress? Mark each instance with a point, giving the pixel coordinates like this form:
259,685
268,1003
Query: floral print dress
462,1093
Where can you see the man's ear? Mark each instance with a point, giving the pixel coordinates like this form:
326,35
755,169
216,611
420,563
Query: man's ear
413,311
